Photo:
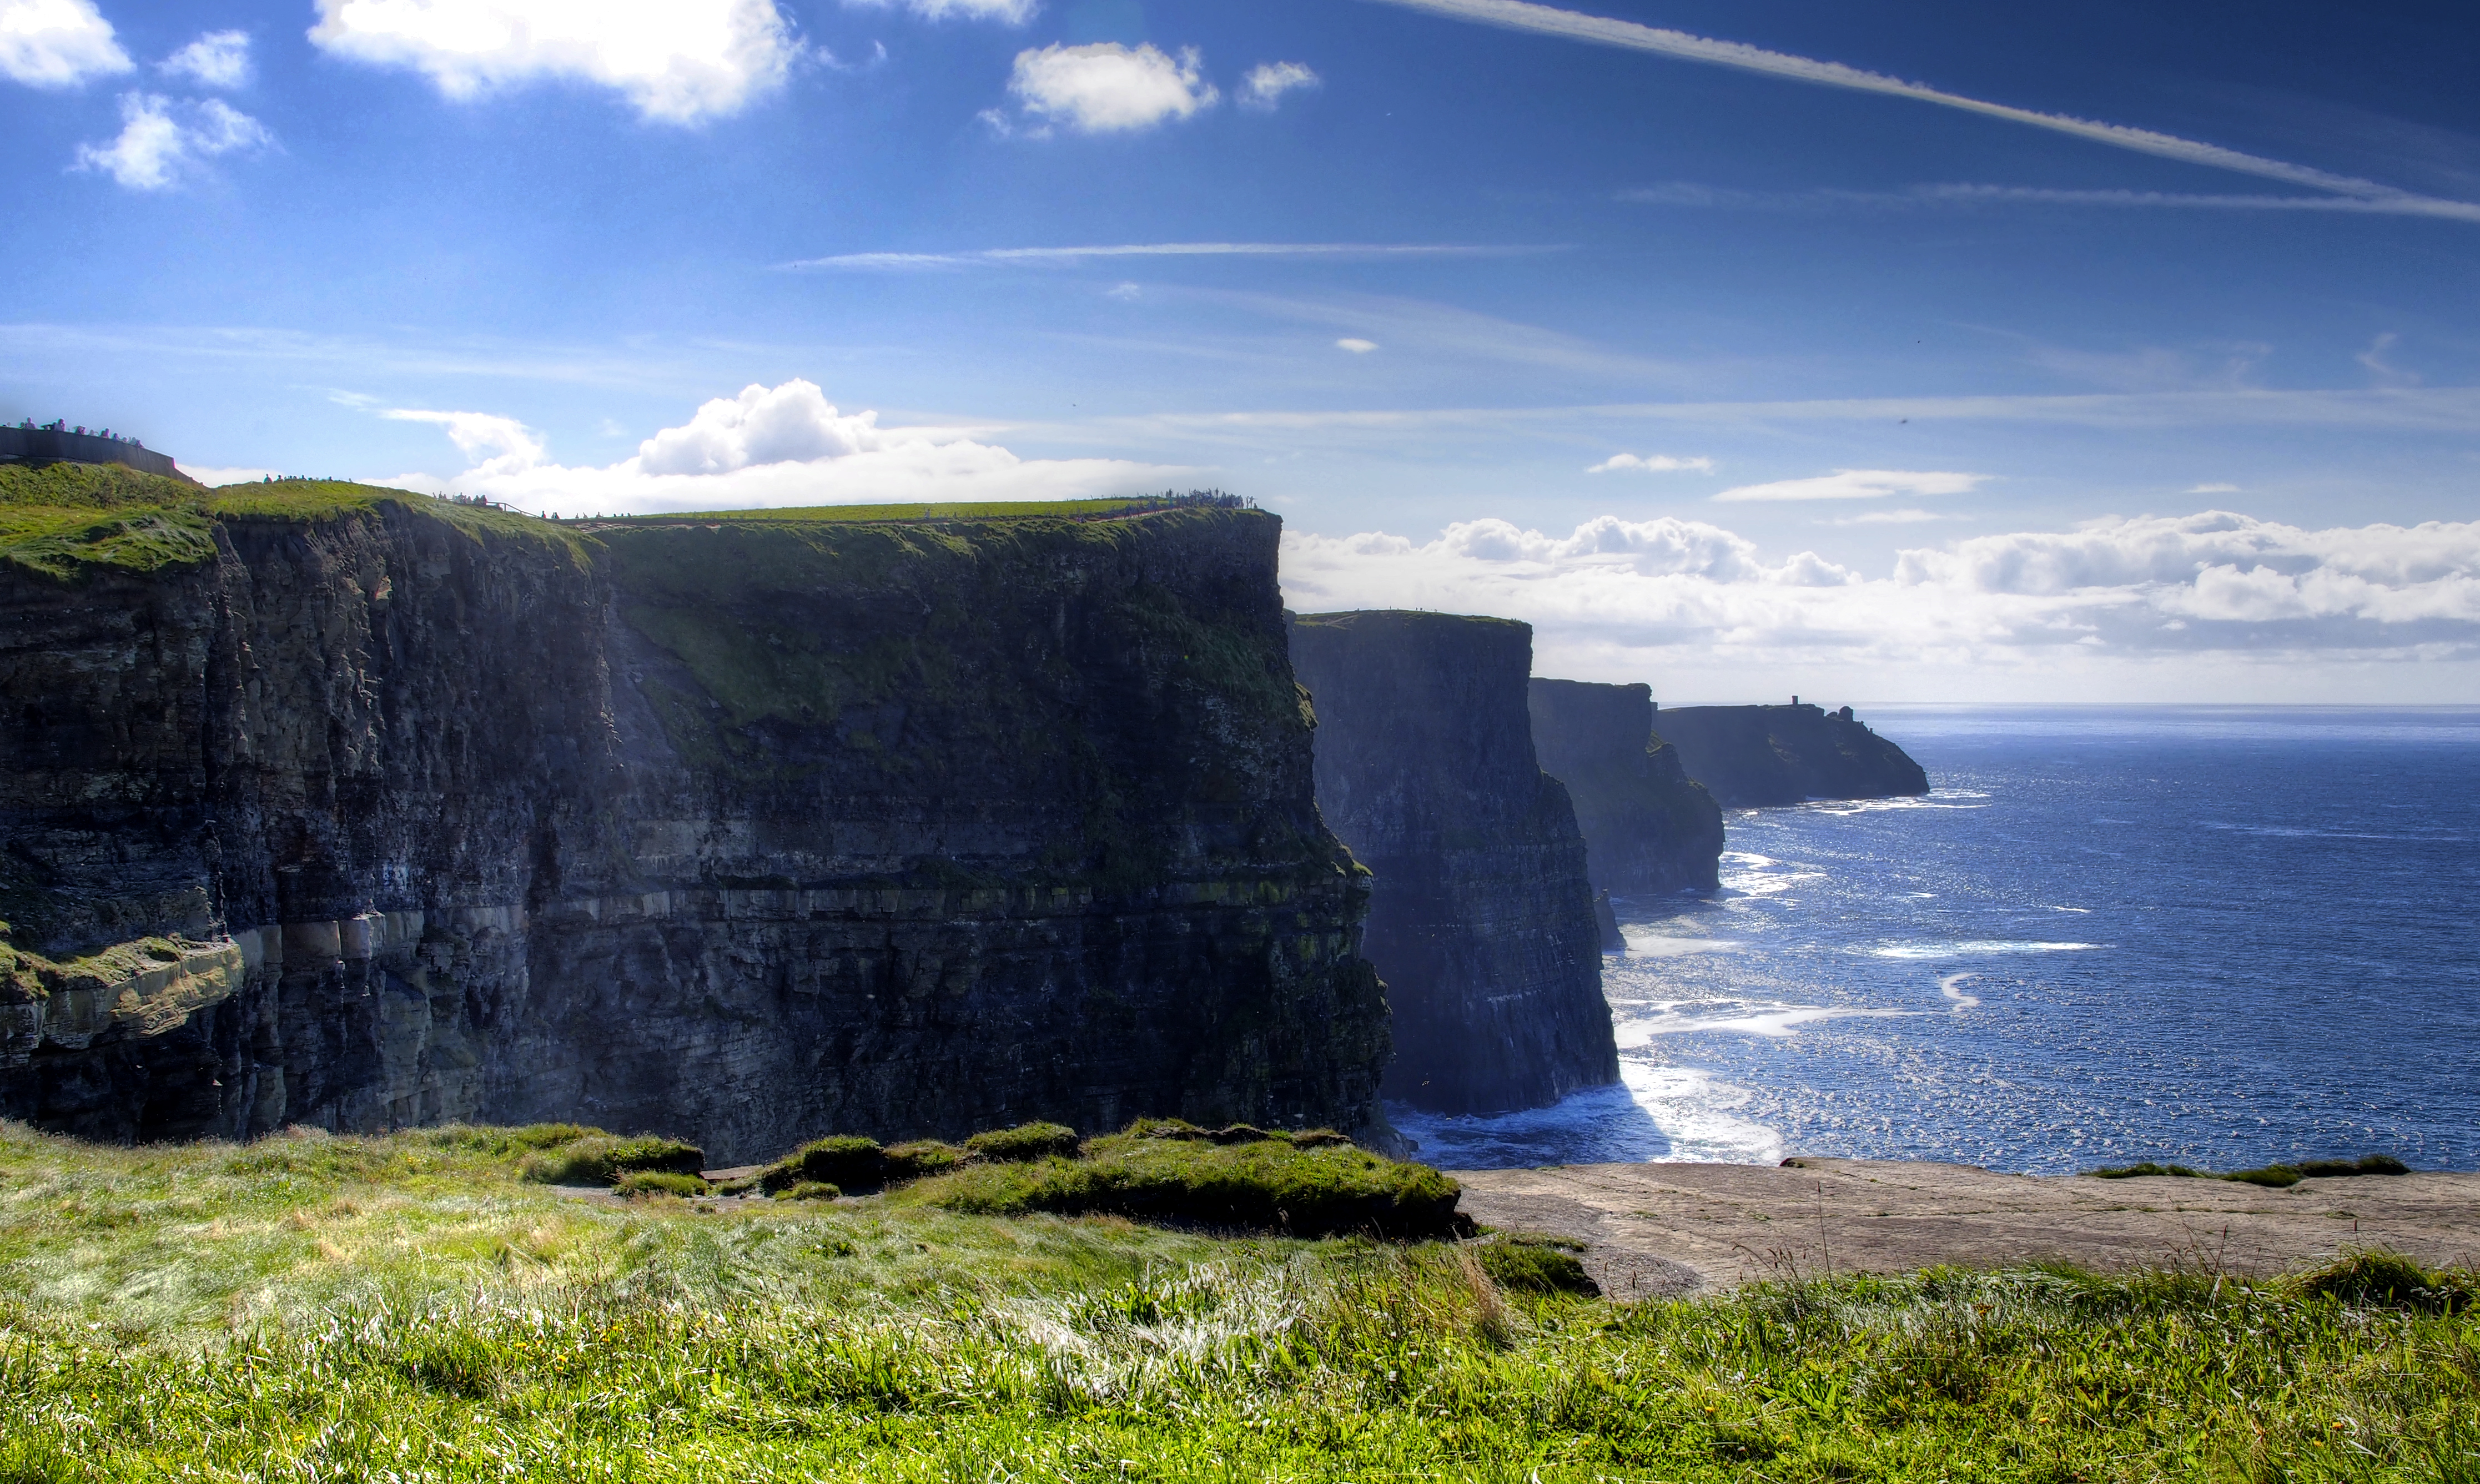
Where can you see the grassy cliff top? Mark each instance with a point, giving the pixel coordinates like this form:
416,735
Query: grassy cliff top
409,1308
62,519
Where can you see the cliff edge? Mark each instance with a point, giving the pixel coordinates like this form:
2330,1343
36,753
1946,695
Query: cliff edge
333,806
1480,921
1648,827
1750,756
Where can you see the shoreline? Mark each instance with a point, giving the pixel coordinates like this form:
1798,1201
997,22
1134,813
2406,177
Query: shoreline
1669,1229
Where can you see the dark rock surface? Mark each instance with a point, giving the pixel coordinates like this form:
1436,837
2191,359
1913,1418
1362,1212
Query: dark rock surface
742,831
1480,922
1756,755
1648,827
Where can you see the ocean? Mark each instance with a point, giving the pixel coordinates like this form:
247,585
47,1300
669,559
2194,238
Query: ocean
2216,936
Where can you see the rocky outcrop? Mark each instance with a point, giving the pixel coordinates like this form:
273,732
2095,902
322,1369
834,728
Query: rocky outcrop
1756,755
391,811
1480,921
1648,827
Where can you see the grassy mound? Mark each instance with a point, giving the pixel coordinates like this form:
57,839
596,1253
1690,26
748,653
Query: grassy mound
2275,1176
659,1182
1025,1141
2389,1280
1262,1181
844,1159
602,1159
1523,1263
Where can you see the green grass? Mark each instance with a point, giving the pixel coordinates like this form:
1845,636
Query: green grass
1265,1182
408,1309
601,1158
2275,1176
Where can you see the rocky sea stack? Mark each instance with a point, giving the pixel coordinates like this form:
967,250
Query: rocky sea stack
1648,827
1751,756
1481,917
330,806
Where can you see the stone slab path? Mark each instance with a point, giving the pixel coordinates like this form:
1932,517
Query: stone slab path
1659,1230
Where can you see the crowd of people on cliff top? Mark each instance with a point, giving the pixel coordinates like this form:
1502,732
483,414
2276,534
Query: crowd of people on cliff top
57,424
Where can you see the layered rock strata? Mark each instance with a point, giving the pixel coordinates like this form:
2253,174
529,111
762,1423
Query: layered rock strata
740,830
1750,756
1648,827
1480,921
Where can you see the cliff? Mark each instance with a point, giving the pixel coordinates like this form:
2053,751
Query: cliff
1480,922
1755,755
327,806
1648,827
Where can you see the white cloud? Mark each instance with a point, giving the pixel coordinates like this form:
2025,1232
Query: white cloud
212,474
1596,30
677,60
56,43
768,447
2374,359
1887,518
2214,489
1010,13
1355,347
1109,88
161,142
1267,82
1655,464
217,58
1655,599
1857,485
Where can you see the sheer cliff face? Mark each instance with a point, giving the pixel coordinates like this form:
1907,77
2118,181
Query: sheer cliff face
1756,755
745,831
1480,922
1648,827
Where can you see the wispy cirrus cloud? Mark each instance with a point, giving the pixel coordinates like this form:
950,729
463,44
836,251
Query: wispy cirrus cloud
999,257
1604,31
1857,485
1965,195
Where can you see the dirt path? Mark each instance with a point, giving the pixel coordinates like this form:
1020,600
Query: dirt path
1666,1229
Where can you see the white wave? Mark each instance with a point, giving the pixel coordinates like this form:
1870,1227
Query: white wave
1951,986
1976,948
2055,908
1687,1017
1698,1112
1650,944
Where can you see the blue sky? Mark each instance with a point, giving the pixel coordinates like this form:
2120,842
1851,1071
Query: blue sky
1746,348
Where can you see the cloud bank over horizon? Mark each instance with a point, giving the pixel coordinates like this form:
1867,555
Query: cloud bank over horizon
2030,614
767,447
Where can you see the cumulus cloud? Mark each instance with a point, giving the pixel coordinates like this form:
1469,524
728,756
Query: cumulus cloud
677,60
1267,82
56,43
1109,88
217,58
1659,597
1655,464
784,445
1857,485
163,142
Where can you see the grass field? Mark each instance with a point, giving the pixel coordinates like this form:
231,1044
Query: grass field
409,1308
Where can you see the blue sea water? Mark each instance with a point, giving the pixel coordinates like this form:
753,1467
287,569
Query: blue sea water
2216,936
